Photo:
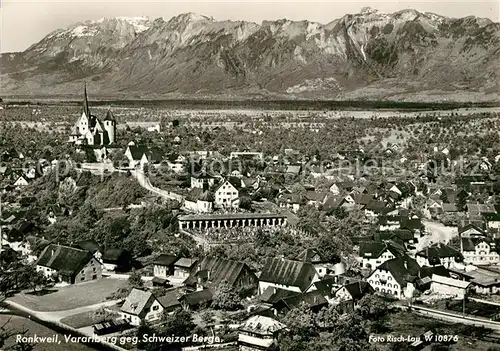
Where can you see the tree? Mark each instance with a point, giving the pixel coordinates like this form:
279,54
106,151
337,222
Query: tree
301,322
327,317
180,323
225,298
372,307
135,280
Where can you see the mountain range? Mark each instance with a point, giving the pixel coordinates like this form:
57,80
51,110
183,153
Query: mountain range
403,56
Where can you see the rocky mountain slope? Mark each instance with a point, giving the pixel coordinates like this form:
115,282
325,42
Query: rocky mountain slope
406,55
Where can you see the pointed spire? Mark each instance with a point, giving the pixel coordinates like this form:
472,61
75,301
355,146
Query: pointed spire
109,116
85,101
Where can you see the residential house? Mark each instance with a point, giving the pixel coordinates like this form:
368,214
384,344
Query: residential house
259,333
293,169
348,296
163,266
141,305
477,210
291,202
373,254
395,277
313,256
21,181
439,254
468,229
140,155
492,222
183,267
338,187
313,299
203,180
199,200
316,198
170,300
195,299
68,264
375,208
227,195
479,251
287,274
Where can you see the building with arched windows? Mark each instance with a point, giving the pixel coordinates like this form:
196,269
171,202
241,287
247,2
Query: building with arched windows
395,277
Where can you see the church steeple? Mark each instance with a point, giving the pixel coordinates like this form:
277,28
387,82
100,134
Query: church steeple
85,101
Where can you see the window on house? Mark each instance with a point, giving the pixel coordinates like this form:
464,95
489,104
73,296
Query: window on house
82,278
155,308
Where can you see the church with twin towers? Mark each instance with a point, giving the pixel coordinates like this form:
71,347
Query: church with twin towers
90,130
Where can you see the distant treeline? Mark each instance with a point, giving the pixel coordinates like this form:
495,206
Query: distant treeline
297,105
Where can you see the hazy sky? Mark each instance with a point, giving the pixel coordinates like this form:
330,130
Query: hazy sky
23,23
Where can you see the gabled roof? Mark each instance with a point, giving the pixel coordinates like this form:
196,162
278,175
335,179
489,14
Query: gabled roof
450,281
197,297
469,244
185,262
316,196
448,207
311,255
358,289
376,249
437,251
426,271
138,302
288,272
136,151
325,285
220,270
411,223
64,259
376,206
404,269
272,294
113,254
262,325
88,245
170,299
165,260
313,299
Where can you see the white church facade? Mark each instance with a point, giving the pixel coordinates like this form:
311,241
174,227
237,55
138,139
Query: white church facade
89,130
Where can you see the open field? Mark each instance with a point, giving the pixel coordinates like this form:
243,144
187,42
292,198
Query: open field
20,324
474,308
70,297
89,318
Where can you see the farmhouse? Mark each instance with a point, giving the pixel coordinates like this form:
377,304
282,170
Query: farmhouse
141,305
212,271
287,274
68,264
373,254
395,277
439,254
479,251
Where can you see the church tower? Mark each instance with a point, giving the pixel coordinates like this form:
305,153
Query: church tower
110,127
